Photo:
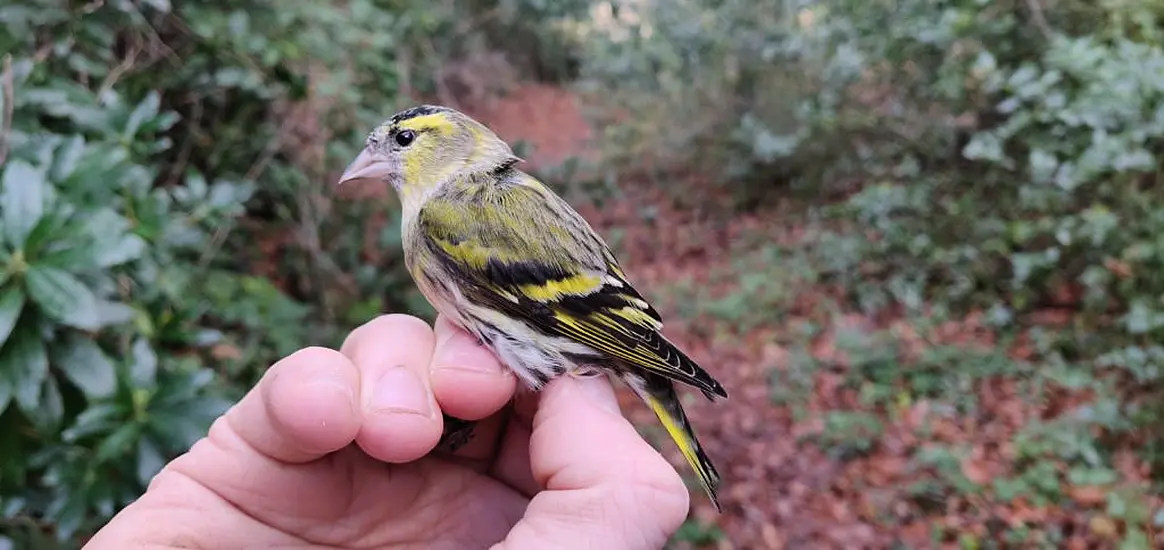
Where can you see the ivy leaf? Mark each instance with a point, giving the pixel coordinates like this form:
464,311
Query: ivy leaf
23,193
86,366
62,297
24,363
11,304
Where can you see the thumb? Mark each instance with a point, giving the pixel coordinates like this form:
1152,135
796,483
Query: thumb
605,487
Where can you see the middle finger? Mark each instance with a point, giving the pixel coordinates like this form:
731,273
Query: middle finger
402,421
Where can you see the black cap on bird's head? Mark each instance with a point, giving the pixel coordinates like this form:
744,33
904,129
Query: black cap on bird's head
418,111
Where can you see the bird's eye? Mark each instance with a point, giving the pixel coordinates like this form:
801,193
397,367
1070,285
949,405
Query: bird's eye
404,139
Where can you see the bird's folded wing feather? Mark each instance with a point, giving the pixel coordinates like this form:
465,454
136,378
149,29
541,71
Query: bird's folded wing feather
511,252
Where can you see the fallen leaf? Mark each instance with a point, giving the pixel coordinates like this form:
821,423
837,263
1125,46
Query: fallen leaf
772,538
225,351
1088,495
1103,526
975,470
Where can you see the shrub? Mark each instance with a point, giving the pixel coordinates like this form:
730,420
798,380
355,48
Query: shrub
165,226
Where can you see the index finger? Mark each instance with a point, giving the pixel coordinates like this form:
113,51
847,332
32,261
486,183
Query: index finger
304,407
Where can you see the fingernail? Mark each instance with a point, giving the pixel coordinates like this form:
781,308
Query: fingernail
400,390
598,392
462,354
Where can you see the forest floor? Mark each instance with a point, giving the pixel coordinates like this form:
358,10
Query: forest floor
785,483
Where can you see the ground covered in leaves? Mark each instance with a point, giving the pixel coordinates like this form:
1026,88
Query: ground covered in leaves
823,443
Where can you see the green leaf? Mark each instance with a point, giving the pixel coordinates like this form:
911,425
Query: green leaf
149,460
113,313
23,193
115,245
71,516
118,443
144,370
24,363
62,297
7,388
11,304
86,366
147,109
127,248
65,161
96,419
51,408
52,233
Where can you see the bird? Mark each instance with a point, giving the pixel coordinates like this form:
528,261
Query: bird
510,262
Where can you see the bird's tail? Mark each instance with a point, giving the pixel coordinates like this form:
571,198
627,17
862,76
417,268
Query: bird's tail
659,394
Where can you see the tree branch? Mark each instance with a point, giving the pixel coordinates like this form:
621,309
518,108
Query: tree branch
8,86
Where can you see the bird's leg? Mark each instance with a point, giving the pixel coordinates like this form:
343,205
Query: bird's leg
456,434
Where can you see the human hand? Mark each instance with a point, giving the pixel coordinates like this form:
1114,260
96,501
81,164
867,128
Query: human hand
335,449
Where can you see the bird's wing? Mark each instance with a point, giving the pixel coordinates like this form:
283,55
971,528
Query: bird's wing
520,249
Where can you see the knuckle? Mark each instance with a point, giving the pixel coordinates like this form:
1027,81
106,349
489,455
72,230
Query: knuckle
315,354
400,321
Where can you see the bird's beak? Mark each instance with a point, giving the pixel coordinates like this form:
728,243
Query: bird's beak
365,166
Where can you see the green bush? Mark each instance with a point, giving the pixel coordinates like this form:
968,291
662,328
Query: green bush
166,229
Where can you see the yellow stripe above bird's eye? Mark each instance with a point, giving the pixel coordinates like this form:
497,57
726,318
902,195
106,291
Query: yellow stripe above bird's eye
576,285
439,122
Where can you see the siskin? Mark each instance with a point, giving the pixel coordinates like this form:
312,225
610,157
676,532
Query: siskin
510,262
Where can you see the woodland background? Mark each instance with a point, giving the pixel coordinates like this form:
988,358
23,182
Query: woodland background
921,242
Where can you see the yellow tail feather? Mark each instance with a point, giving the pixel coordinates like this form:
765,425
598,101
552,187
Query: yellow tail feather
659,395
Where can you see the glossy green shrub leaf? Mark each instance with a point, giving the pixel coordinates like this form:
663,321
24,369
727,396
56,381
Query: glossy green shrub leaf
23,194
150,460
146,110
119,442
86,366
12,301
62,297
144,366
113,244
98,418
50,408
7,387
24,363
67,157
